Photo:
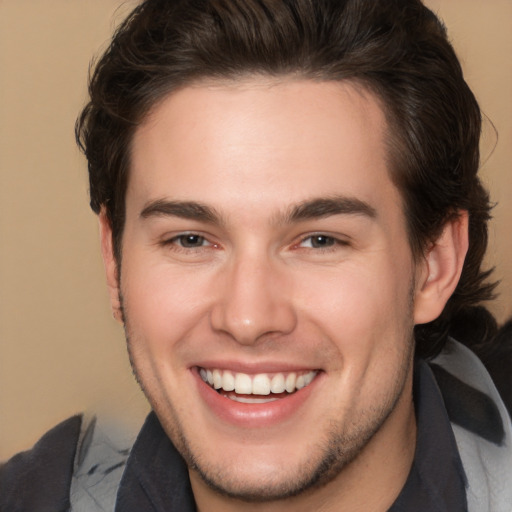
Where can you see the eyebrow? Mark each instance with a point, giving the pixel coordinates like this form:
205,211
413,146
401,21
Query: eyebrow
184,209
307,210
327,206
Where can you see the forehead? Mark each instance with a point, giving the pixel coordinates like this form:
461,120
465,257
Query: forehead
251,141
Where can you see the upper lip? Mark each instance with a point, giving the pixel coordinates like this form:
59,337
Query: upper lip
255,368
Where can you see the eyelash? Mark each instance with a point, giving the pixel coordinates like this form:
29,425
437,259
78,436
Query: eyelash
333,244
330,243
177,242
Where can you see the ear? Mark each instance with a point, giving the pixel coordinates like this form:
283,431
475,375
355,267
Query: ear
441,269
110,264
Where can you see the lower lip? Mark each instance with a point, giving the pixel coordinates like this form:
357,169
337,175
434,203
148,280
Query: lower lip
254,415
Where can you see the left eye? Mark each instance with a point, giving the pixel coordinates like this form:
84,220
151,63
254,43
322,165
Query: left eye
319,241
190,241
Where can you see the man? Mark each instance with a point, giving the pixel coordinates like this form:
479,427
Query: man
291,224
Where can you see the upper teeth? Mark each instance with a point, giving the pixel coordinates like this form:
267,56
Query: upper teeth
260,384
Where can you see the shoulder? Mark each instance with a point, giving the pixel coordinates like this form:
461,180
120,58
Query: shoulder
77,465
101,457
40,478
481,425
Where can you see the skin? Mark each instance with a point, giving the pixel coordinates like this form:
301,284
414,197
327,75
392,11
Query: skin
244,167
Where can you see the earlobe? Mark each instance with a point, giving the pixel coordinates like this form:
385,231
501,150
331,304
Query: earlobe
441,269
110,264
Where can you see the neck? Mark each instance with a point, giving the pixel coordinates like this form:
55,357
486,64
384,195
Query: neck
372,481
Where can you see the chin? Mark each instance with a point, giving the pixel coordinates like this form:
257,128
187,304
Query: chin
281,474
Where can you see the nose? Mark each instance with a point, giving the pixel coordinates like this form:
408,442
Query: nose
254,301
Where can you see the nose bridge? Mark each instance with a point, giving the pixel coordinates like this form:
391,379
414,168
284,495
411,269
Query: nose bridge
253,299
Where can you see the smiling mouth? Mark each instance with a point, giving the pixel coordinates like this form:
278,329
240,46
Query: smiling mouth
256,389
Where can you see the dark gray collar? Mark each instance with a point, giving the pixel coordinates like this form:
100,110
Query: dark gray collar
436,482
156,476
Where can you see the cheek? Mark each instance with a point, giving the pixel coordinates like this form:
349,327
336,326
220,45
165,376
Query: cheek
163,310
163,304
365,313
357,296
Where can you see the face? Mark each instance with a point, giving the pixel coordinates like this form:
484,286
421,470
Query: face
267,282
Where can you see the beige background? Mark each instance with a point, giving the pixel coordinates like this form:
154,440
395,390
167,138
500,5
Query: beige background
60,350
